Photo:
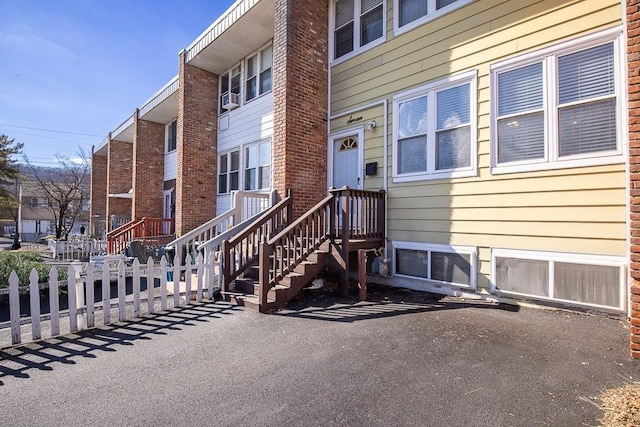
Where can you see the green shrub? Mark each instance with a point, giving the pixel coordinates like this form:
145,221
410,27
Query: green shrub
22,262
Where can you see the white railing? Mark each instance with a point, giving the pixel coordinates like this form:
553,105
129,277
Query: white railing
244,205
76,249
152,289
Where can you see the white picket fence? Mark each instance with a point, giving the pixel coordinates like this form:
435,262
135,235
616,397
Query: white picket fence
198,280
76,248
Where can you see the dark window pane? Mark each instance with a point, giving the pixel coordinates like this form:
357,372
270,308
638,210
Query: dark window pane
588,128
451,268
371,26
411,263
410,10
521,138
344,40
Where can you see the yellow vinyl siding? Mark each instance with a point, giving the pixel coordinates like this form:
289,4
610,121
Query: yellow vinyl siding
577,210
460,41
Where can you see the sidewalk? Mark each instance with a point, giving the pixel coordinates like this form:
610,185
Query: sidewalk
402,358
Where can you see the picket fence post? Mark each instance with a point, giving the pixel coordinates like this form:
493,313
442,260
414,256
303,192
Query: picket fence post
91,283
34,300
54,301
151,292
164,271
199,267
14,308
136,288
122,310
106,293
176,281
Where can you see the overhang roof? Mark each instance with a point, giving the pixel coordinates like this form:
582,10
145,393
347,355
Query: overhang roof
244,28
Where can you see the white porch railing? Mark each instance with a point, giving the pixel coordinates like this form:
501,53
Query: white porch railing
76,249
244,205
89,296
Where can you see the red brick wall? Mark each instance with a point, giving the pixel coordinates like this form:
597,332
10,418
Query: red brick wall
197,143
148,168
300,78
119,176
633,51
98,209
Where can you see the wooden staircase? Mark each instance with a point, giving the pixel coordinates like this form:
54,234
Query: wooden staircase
246,290
267,266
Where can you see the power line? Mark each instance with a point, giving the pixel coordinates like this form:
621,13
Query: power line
47,137
51,130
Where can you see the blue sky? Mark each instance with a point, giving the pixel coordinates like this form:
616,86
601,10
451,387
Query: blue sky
81,67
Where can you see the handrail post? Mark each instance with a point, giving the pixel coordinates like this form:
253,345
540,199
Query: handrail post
263,284
226,265
381,205
332,216
345,199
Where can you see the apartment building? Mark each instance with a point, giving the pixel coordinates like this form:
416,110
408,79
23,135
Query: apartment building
503,133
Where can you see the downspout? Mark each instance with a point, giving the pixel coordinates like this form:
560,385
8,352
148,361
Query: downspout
625,140
385,184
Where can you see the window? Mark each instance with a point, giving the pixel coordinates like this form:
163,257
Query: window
574,278
434,131
436,263
258,80
171,135
411,13
35,203
560,108
229,172
230,82
257,166
356,24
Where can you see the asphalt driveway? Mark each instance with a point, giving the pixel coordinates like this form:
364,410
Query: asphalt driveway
403,358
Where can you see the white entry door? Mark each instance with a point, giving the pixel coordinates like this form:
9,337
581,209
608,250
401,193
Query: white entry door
347,160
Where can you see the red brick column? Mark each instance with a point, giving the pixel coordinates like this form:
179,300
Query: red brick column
197,147
148,168
300,81
633,51
98,208
119,177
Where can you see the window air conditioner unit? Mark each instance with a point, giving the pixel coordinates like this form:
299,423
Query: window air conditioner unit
230,101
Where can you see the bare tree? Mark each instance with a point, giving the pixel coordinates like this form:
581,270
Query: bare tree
66,187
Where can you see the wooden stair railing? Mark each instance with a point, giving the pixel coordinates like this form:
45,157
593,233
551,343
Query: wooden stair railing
241,251
244,205
345,215
138,229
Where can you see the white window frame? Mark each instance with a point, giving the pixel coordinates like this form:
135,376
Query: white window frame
258,56
472,251
431,6
552,258
167,130
548,57
430,91
243,166
357,49
226,90
229,171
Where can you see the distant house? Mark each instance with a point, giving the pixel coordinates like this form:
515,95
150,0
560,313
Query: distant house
499,130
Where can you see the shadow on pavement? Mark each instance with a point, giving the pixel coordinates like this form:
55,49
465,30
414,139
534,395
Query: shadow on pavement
382,301
43,355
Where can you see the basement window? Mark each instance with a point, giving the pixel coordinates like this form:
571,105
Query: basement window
590,280
441,264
